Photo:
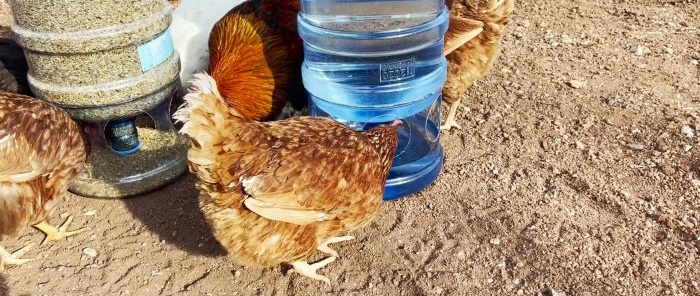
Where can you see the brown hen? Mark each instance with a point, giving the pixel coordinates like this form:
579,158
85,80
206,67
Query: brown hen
281,15
42,152
470,56
276,192
250,63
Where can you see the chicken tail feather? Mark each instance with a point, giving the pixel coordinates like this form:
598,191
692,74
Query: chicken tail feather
461,31
250,64
205,116
203,107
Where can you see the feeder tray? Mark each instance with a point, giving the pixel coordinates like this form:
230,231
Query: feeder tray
133,155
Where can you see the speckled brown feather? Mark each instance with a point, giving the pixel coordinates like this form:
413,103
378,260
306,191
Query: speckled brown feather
42,152
461,31
302,162
250,63
474,59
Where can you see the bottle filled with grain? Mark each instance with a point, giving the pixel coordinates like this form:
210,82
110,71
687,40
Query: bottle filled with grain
112,66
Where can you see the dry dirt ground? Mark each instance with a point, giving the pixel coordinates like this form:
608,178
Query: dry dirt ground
577,170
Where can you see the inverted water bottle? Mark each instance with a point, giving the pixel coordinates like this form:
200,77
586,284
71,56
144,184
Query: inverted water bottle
371,62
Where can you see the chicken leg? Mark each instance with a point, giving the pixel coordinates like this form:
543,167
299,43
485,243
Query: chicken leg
309,270
14,258
323,247
450,121
53,234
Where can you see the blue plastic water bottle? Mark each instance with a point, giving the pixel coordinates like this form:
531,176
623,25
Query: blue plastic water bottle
372,62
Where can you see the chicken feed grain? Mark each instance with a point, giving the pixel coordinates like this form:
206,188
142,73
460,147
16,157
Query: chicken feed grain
161,159
87,53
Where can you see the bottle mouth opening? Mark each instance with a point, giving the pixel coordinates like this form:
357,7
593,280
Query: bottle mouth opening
307,26
372,44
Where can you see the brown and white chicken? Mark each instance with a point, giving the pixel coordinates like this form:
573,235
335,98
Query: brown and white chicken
472,44
276,192
42,152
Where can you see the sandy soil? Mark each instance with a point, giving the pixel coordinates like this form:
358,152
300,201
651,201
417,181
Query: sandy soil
573,173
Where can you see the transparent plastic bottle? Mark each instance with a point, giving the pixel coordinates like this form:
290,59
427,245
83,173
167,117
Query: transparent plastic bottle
371,62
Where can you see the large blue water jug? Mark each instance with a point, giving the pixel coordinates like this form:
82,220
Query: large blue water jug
372,62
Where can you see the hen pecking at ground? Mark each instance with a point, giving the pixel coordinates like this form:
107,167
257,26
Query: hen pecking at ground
42,152
276,192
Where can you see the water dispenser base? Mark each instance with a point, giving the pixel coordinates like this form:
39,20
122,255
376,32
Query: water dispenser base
419,155
404,184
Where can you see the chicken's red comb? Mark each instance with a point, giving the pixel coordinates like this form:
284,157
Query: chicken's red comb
396,122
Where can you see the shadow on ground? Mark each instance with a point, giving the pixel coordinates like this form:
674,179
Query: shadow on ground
175,210
13,67
5,31
4,290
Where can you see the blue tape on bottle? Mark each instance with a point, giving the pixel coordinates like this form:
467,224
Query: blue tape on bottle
156,51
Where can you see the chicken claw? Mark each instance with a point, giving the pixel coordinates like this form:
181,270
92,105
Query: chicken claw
13,258
323,247
450,121
309,270
53,234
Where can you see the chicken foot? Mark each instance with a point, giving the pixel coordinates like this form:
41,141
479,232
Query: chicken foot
323,247
53,234
7,258
450,121
309,270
